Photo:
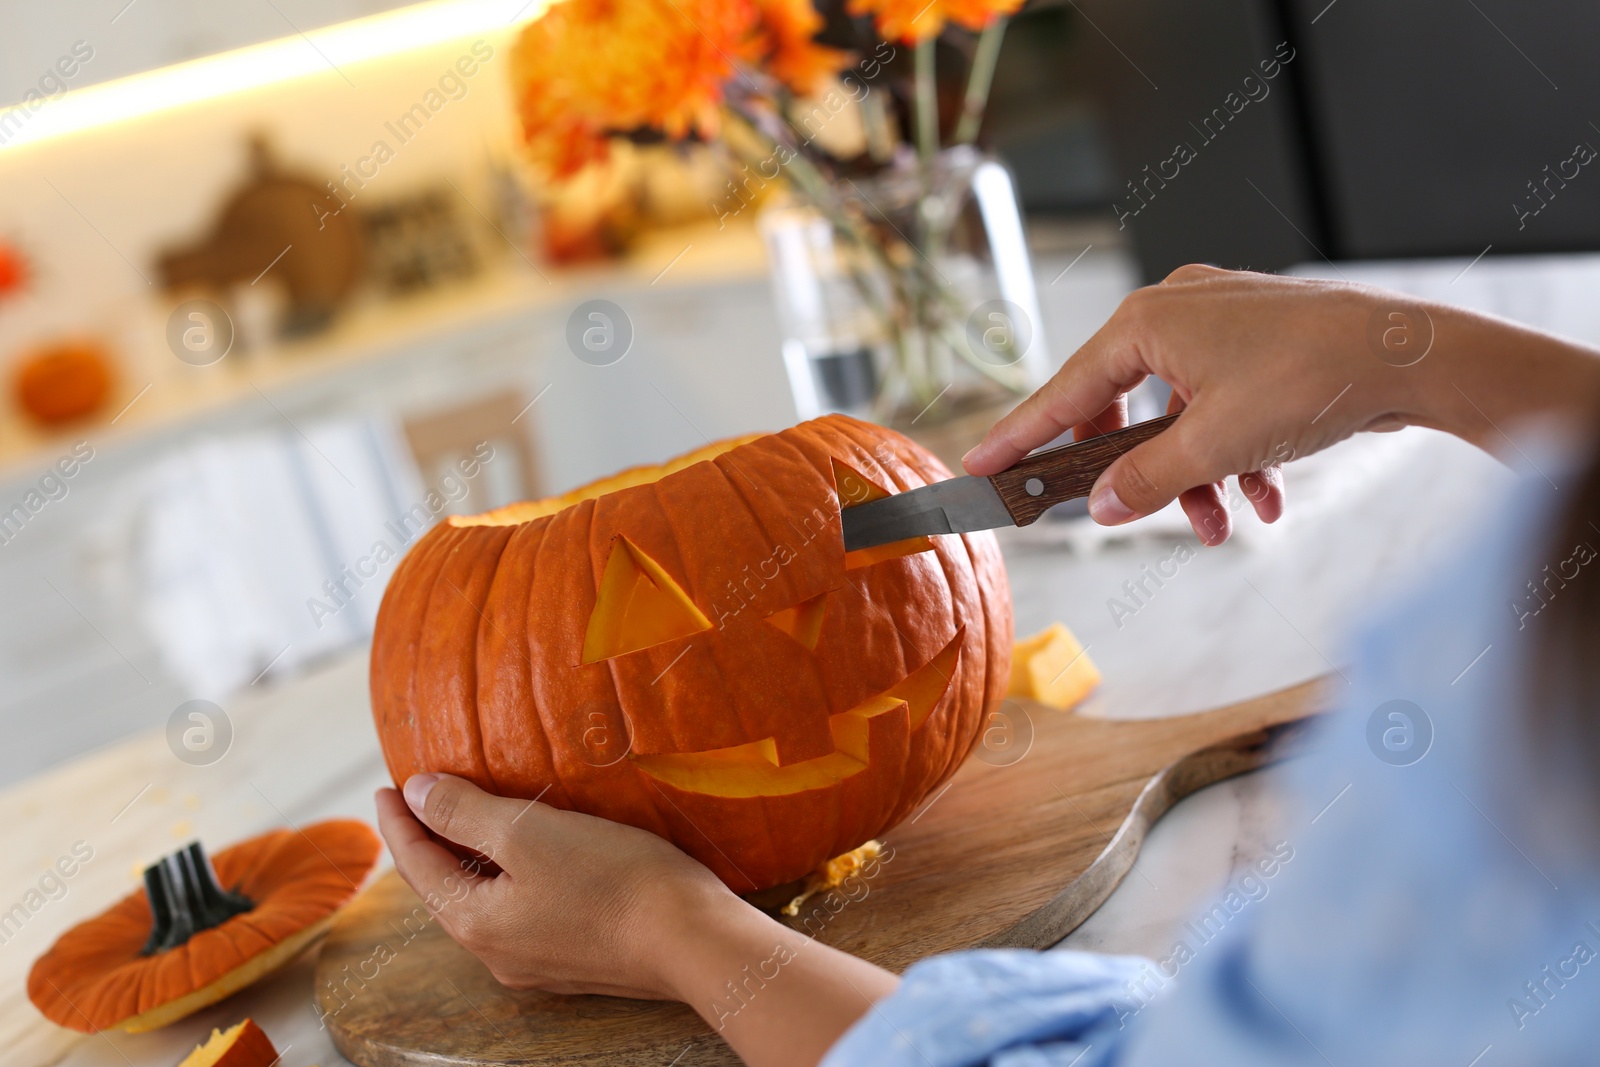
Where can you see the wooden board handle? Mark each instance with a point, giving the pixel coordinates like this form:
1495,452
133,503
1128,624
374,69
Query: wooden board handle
1067,472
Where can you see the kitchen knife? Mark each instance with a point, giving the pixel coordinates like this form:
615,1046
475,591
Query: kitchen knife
1014,497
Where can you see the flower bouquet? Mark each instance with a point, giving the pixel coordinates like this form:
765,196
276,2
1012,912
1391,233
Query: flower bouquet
901,273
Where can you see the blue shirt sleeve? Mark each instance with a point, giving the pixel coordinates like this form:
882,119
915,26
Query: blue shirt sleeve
1442,904
1005,1007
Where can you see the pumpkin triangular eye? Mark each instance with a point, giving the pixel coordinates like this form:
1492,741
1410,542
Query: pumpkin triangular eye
852,488
803,622
638,605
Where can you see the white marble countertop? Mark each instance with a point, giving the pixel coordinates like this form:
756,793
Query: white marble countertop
1262,612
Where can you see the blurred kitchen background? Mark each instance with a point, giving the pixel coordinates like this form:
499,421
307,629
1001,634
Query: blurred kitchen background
279,285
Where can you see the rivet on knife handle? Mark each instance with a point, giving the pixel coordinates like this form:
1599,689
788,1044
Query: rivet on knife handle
1044,479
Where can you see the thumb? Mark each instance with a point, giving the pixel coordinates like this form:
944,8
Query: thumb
459,811
1150,476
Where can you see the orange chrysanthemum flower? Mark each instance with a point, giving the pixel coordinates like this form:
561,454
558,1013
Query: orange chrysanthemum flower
589,68
914,21
788,29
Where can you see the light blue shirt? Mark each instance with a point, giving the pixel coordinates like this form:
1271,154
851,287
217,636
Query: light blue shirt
1443,908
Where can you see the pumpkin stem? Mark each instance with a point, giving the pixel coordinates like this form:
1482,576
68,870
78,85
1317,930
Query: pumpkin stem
185,898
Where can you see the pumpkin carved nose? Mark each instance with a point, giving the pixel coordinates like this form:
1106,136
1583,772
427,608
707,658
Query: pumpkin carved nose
803,622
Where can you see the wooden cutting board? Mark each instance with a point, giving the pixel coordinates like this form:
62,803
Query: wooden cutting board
1021,846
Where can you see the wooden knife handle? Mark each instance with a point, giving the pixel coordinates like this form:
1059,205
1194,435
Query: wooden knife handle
1066,472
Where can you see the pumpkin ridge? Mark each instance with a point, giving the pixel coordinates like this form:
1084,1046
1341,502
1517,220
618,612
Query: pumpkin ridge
954,693
745,728
696,828
251,875
528,651
787,442
871,605
997,588
583,515
829,438
771,544
722,673
429,555
521,549
477,663
749,506
990,651
885,473
475,584
677,738
432,614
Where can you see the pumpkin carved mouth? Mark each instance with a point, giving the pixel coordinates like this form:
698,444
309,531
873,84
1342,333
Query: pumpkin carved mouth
752,770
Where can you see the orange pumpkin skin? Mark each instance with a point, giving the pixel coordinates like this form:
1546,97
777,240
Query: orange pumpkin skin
64,382
798,705
95,978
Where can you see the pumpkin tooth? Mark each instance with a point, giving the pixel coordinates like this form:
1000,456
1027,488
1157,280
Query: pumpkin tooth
923,687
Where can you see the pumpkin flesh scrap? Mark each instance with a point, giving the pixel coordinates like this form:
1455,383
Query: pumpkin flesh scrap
241,1045
1052,668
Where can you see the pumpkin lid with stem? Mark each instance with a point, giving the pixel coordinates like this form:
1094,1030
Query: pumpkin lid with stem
201,930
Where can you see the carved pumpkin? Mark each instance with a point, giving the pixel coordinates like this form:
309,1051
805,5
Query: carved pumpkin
195,934
688,648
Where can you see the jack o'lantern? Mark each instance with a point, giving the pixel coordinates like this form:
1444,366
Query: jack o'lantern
689,649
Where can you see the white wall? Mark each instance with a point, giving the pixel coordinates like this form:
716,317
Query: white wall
129,36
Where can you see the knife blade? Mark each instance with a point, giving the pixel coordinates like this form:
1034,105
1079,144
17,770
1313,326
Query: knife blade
1016,496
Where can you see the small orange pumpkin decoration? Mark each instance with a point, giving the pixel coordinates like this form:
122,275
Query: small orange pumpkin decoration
187,942
64,381
688,648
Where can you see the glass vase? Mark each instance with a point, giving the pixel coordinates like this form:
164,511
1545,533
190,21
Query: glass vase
908,298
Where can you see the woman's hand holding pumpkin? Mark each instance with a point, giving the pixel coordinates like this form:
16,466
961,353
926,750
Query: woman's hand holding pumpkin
1267,368
584,905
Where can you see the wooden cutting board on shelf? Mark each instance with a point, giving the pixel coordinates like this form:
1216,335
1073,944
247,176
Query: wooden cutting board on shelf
1015,855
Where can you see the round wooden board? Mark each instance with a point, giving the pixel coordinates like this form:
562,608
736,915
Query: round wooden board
1014,855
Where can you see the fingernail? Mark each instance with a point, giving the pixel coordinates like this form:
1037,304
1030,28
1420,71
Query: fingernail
416,790
1107,508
